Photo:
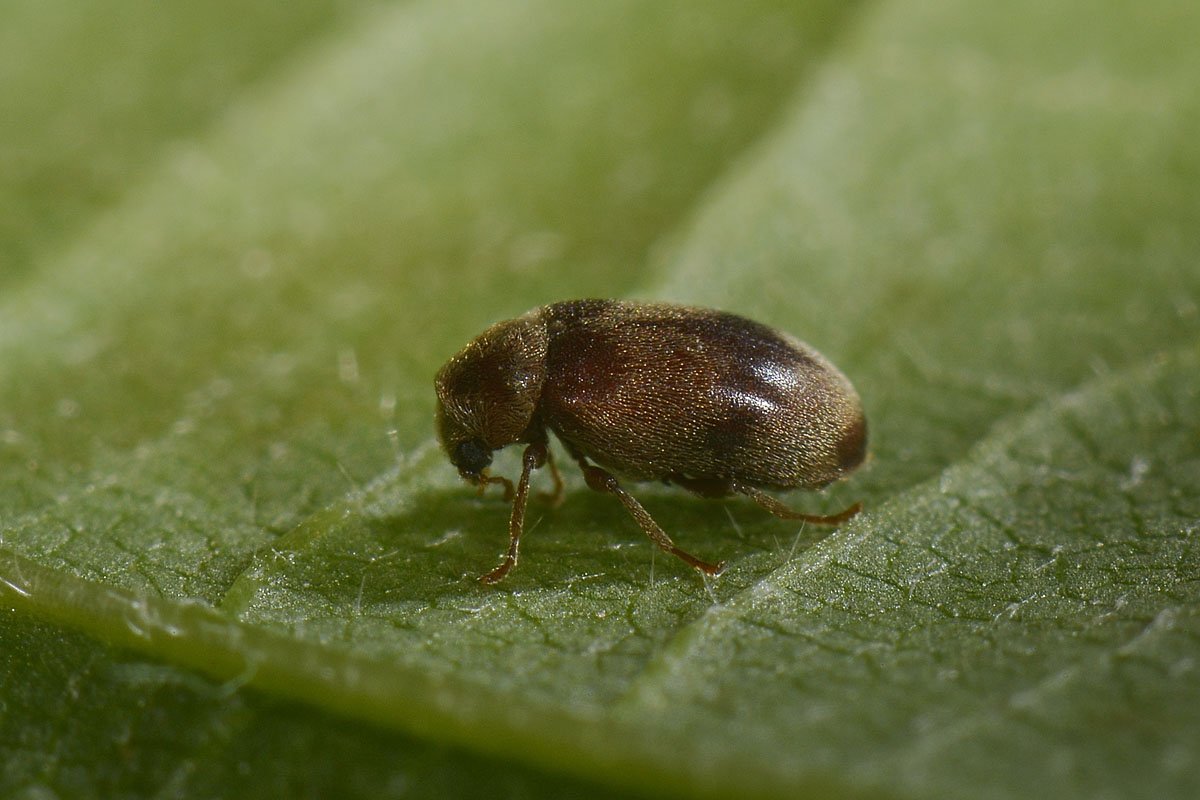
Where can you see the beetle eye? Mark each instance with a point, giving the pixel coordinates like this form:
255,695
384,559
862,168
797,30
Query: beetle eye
471,457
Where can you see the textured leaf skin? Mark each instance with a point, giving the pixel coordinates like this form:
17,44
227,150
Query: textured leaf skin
233,560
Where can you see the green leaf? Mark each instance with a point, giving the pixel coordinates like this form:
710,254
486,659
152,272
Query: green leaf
237,563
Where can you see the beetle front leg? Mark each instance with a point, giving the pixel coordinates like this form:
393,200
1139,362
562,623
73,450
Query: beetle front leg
603,481
534,457
486,480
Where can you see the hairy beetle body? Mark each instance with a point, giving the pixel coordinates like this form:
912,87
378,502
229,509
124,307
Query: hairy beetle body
704,399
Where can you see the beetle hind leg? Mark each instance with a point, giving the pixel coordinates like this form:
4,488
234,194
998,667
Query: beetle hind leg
601,480
779,509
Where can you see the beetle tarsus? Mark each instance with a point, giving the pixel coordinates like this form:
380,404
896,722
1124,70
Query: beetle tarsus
711,570
497,575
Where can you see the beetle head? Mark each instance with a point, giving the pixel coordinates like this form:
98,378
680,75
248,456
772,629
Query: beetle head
489,392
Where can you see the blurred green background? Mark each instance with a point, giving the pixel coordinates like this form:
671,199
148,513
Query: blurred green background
237,240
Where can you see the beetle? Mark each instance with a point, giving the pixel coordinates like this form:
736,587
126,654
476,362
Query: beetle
707,400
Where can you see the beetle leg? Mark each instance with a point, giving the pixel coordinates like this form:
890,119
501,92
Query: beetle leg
602,481
534,457
780,510
554,499
485,480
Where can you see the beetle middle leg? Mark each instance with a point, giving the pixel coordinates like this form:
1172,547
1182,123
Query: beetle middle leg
554,498
534,457
601,480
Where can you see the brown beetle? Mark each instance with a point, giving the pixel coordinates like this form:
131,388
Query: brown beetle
707,400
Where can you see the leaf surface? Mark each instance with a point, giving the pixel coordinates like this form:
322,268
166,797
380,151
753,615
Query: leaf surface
236,558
